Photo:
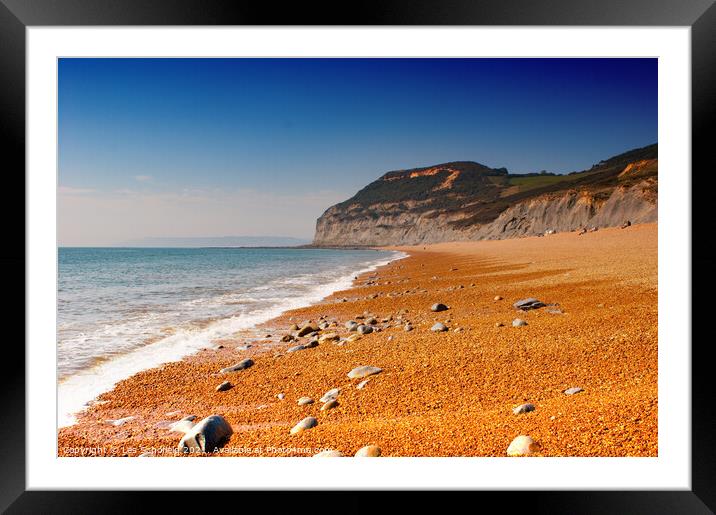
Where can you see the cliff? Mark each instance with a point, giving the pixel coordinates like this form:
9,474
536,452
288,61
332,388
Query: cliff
468,201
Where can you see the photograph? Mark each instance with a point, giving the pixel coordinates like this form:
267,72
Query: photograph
357,257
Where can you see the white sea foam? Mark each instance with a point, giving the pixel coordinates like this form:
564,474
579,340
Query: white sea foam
76,390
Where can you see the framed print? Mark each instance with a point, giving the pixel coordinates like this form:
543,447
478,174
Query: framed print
433,237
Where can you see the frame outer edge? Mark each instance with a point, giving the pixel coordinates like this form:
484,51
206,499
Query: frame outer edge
12,142
703,109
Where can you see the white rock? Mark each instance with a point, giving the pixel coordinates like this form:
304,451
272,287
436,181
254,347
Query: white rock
523,408
306,423
305,400
518,322
331,394
362,384
120,421
369,451
364,371
522,446
208,435
573,390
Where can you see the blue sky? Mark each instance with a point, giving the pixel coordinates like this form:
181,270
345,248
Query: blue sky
289,137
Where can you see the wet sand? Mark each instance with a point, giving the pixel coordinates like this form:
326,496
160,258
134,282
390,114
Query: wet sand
439,394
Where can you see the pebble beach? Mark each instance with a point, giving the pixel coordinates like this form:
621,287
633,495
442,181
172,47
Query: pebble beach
539,346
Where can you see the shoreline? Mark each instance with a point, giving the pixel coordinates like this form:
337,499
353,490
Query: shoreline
439,394
107,372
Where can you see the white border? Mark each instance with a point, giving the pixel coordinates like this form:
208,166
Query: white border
670,470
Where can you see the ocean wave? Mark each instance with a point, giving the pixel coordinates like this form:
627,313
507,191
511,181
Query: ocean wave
85,384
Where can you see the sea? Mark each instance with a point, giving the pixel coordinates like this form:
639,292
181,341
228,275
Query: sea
123,310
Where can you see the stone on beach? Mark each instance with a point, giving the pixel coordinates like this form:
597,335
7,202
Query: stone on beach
573,390
307,329
522,446
364,371
408,327
306,423
120,421
439,328
295,348
438,307
329,405
226,385
331,395
523,408
328,337
207,436
518,322
369,451
362,384
351,325
305,400
527,304
184,425
365,329
497,297
281,396
241,365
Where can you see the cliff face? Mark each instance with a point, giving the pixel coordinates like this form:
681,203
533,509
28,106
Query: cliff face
469,201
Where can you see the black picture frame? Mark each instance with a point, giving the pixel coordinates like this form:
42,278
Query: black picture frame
17,15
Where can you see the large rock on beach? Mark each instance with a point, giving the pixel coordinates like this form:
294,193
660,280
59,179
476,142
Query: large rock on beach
369,451
241,365
527,304
438,307
208,435
226,385
329,405
573,390
439,328
365,329
305,400
307,329
303,425
364,371
518,322
522,446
